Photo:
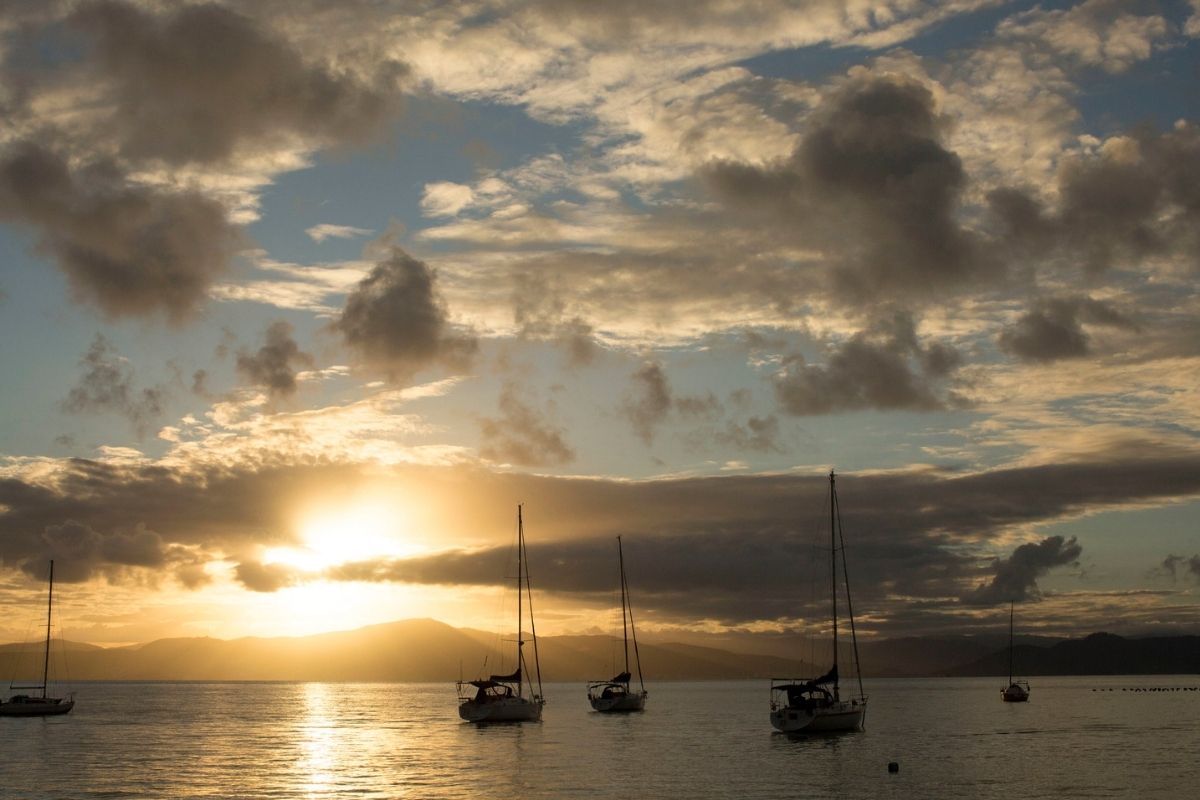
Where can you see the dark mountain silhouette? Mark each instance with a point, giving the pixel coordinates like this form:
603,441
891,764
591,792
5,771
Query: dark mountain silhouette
1097,654
427,650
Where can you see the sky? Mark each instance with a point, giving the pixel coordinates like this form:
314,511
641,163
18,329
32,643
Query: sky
299,300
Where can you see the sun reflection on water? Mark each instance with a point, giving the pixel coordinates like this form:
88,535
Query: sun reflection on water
320,746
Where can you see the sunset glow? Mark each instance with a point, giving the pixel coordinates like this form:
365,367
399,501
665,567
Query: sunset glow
300,300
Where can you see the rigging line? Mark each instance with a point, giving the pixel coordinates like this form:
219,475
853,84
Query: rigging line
636,656
532,626
849,603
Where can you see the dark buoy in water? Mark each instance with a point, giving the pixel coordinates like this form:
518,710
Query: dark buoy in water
893,767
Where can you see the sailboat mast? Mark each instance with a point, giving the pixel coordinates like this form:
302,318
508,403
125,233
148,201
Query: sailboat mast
833,573
537,662
849,602
49,611
520,554
624,613
1010,640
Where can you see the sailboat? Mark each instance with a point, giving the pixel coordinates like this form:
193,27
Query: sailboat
32,705
615,694
501,698
815,705
1017,691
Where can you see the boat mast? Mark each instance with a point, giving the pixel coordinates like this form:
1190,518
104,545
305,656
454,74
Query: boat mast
49,610
833,574
627,605
849,602
520,640
537,662
624,624
1010,640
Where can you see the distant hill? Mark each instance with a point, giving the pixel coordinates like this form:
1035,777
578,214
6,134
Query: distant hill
411,650
427,650
1098,654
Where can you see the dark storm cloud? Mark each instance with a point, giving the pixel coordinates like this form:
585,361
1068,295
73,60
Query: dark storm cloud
884,368
1136,197
1015,578
729,548
872,185
127,248
523,435
1053,329
107,386
80,551
395,320
199,81
275,364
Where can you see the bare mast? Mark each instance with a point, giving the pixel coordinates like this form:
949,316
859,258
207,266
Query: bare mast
49,611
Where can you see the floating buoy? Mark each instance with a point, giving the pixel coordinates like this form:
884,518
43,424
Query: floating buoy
893,766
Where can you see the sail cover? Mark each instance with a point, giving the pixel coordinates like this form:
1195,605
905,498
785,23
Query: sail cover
828,677
514,678
622,678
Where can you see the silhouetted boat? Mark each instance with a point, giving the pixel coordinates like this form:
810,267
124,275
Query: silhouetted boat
1016,691
29,705
501,698
815,705
615,694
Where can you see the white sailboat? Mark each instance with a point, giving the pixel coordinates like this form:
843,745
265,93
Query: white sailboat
815,705
39,705
615,694
1017,691
502,698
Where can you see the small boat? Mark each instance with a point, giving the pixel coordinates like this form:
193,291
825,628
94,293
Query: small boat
33,705
815,705
501,698
615,694
1017,691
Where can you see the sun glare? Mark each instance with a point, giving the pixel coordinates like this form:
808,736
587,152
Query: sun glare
333,536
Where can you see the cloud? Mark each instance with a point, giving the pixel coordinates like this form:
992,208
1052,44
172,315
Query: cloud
759,434
540,313
259,577
395,320
1109,34
201,82
106,386
1172,563
650,402
275,364
319,233
1015,578
872,186
127,248
1053,329
445,199
728,547
885,368
1124,201
523,435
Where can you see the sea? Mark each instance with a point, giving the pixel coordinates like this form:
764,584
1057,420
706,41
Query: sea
1086,737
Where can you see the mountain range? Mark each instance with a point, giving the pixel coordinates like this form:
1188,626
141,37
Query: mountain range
427,650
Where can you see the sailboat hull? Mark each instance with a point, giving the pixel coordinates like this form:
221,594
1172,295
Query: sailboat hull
35,707
1015,693
634,701
834,718
507,709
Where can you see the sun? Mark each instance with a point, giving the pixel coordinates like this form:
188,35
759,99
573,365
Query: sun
341,534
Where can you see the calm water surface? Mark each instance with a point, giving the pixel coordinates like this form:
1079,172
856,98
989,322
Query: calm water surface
951,737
